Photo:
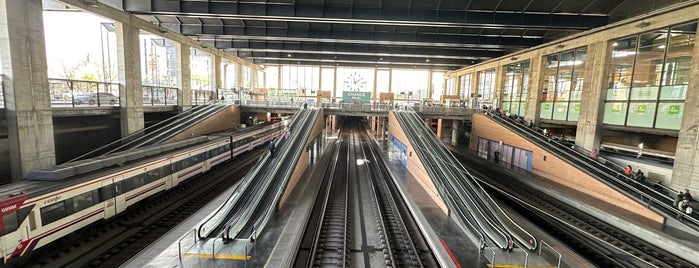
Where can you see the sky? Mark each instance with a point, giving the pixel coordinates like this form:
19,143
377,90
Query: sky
72,35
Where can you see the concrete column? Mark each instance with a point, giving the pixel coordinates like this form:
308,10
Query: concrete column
474,90
455,131
588,134
534,94
429,86
239,75
216,75
130,91
440,128
499,81
184,97
686,168
27,100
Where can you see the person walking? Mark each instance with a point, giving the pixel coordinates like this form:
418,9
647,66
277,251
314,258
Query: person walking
272,148
496,157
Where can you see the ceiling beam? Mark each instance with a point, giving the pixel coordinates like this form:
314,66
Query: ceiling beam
372,15
357,49
215,32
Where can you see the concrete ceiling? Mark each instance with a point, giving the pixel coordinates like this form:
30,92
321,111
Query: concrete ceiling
436,34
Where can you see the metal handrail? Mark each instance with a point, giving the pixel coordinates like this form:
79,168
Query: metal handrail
179,242
560,256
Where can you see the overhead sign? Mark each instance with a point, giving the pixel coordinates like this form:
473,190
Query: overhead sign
356,97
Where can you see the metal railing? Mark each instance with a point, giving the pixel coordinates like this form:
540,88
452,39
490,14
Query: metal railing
157,95
78,93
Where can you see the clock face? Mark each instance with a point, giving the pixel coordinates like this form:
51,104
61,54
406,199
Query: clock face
354,81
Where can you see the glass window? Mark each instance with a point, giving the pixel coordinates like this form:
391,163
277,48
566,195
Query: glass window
82,201
465,89
409,85
546,109
563,84
10,223
669,115
327,79
486,85
615,113
658,62
641,114
53,212
383,81
451,86
300,81
560,111
437,86
515,87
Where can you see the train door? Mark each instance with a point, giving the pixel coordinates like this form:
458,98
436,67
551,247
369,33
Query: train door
107,192
119,195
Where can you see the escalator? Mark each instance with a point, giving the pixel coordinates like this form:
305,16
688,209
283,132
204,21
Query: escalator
157,133
608,173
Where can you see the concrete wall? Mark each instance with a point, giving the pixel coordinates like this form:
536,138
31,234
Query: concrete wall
557,170
228,118
414,164
78,135
303,162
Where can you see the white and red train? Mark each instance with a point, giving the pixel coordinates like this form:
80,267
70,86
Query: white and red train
36,213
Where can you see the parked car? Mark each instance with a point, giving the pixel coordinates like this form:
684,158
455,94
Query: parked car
102,98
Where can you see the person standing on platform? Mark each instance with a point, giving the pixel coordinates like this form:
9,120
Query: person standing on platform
272,150
594,154
496,157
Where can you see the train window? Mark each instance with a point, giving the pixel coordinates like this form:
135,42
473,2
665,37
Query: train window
53,212
106,192
10,223
82,201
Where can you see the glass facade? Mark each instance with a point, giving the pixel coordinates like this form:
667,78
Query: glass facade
516,87
437,86
409,85
465,89
300,81
562,85
486,86
648,78
450,87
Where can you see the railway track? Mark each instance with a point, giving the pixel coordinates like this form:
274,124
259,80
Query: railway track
600,242
111,243
361,221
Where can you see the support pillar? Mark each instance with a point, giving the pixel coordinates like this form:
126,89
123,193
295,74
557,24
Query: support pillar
216,73
686,167
27,100
440,128
499,82
589,129
455,131
184,96
130,88
535,89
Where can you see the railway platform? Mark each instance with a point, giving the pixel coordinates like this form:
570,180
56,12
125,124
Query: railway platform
672,235
180,248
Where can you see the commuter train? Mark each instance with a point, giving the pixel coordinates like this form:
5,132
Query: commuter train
36,213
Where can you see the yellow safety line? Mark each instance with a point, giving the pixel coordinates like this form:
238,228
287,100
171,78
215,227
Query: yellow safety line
218,256
518,266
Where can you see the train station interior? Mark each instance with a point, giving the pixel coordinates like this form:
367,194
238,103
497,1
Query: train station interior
278,133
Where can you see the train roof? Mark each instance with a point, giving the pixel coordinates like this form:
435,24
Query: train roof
43,181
